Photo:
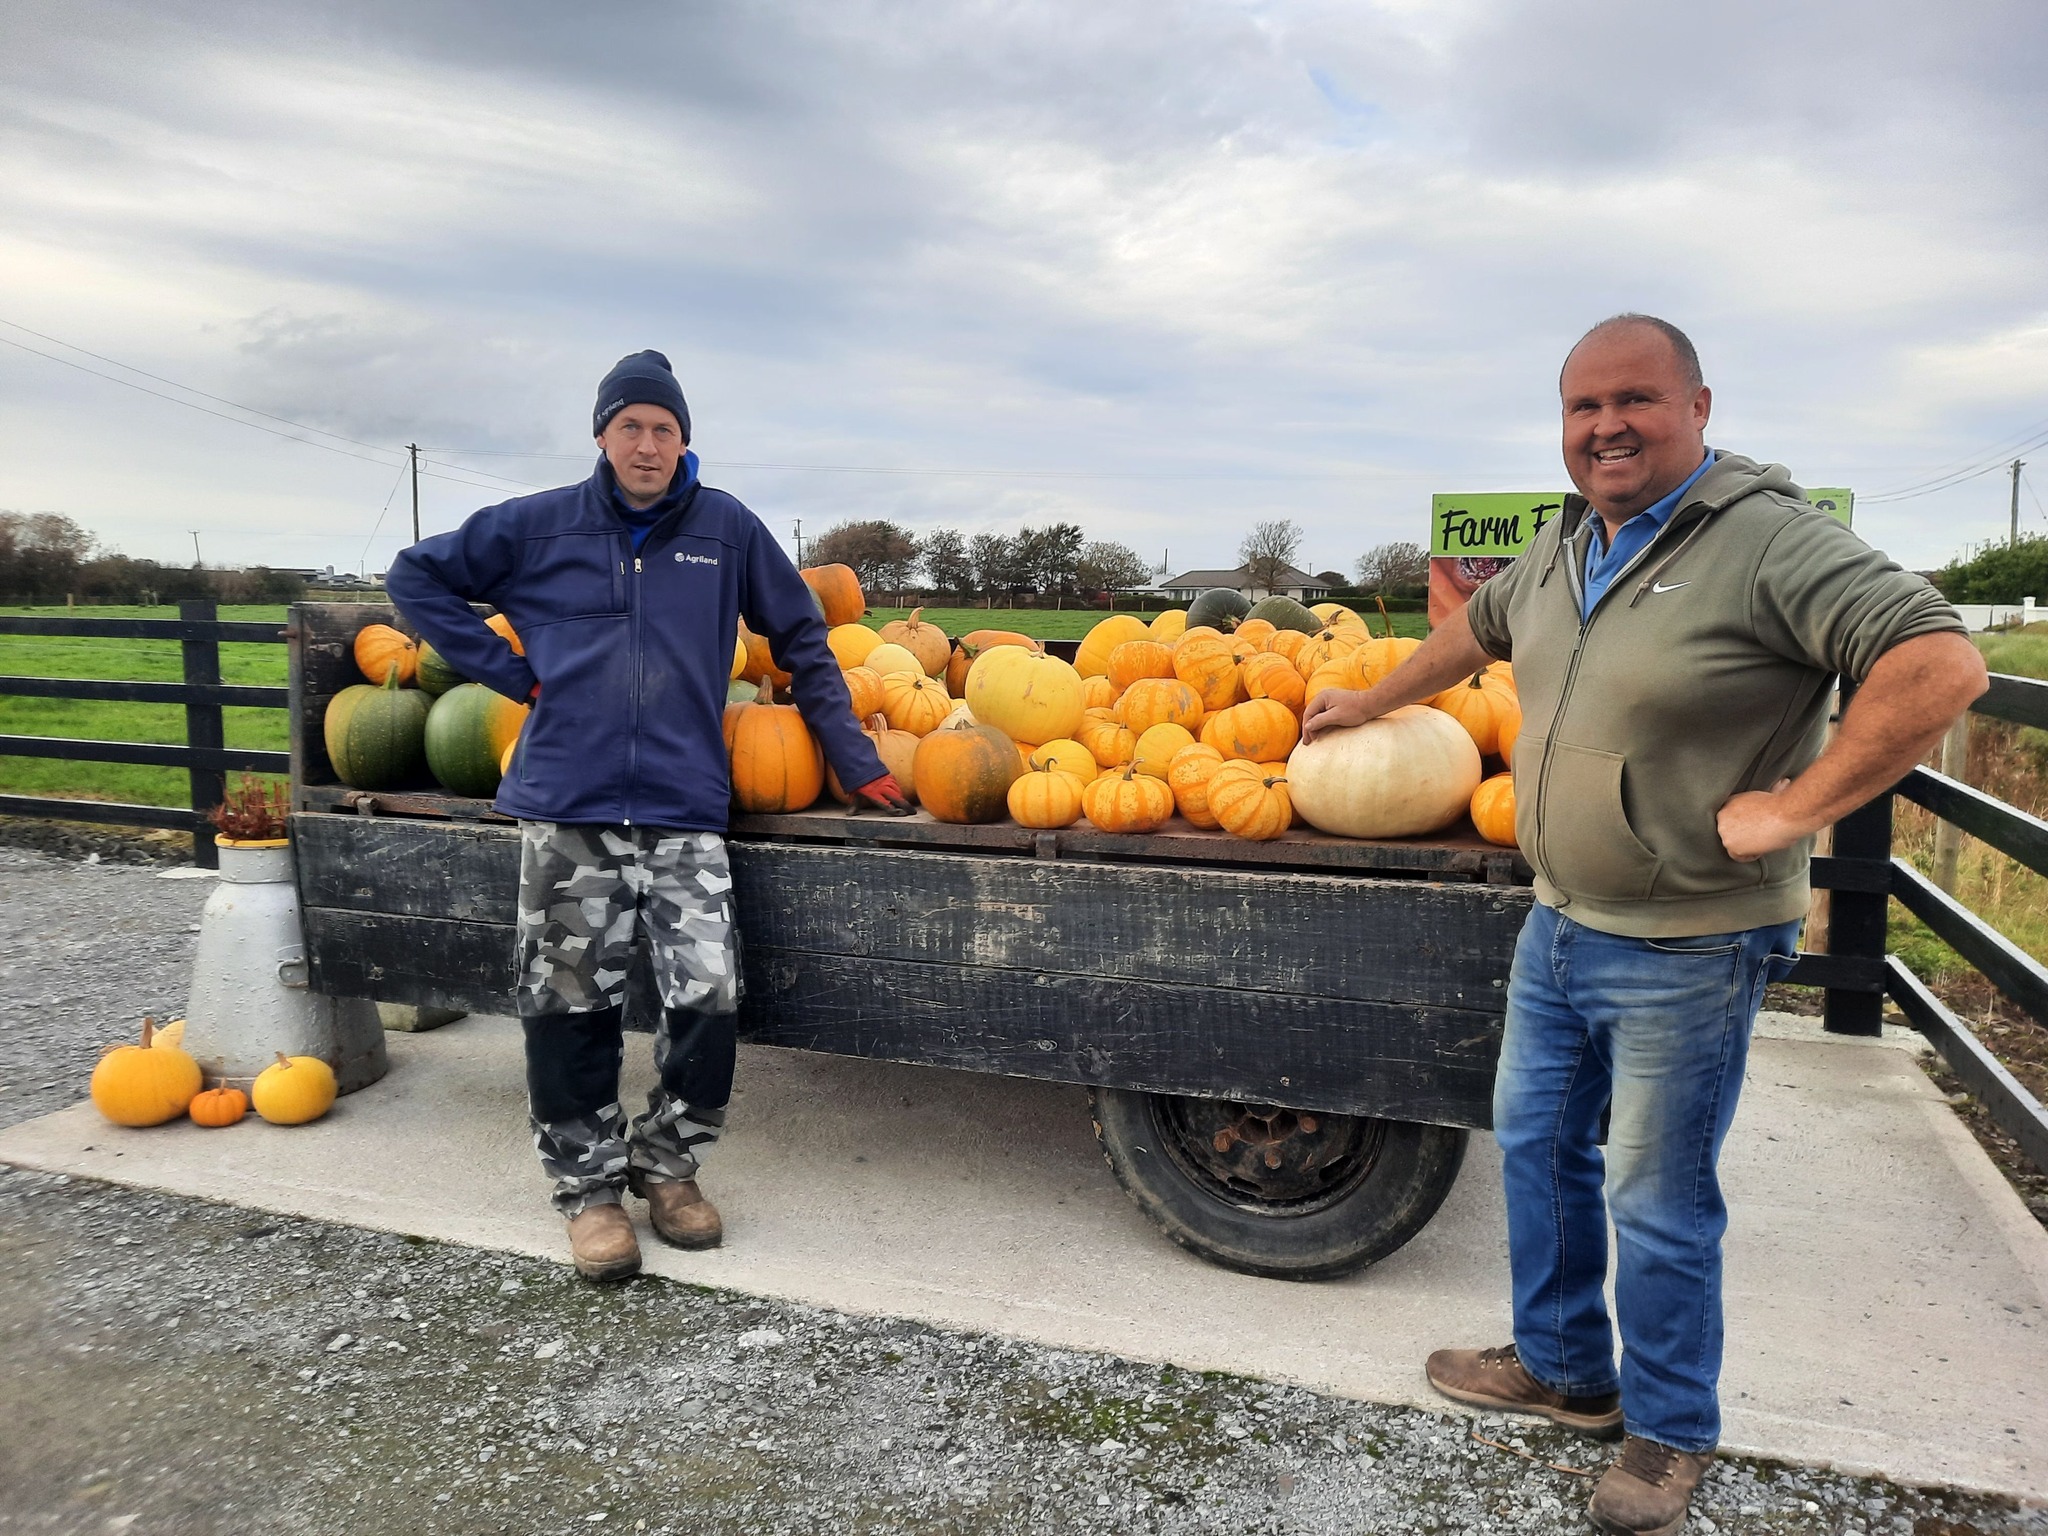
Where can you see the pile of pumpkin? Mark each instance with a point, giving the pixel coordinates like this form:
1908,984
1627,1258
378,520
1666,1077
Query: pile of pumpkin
1198,712
418,713
158,1081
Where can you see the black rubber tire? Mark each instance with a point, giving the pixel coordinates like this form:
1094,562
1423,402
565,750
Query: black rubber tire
1386,1198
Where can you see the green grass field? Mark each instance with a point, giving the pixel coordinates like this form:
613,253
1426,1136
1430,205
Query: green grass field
1068,623
153,661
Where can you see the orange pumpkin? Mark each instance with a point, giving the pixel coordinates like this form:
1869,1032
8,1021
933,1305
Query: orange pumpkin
1376,659
898,752
1099,692
760,660
1197,632
1210,667
218,1106
1493,810
838,588
1257,631
1342,673
964,772
1326,646
1480,704
1259,730
1139,658
864,688
1188,777
927,642
1272,676
1249,800
1286,643
915,704
1154,701
1069,756
501,625
776,763
1108,740
1510,732
379,648
968,650
1127,801
1046,798
1092,656
1156,747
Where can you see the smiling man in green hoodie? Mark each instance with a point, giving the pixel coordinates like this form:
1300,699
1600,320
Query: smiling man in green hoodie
1677,633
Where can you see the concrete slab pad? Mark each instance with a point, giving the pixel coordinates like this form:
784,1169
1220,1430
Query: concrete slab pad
1887,1292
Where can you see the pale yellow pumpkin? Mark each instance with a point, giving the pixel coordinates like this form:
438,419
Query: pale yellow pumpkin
1092,659
1028,695
1157,745
1408,773
1067,755
1169,625
890,660
851,643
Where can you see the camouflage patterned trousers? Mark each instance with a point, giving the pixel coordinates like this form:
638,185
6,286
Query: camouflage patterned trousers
586,895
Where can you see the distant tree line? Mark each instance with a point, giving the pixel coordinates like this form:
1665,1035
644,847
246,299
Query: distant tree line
1056,563
1999,573
45,557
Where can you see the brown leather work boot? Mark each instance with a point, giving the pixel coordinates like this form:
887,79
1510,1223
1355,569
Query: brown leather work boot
1495,1378
682,1217
1648,1489
602,1242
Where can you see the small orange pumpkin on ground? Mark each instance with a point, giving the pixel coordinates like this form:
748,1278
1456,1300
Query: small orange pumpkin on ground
144,1084
215,1107
1046,798
777,764
379,647
1493,810
1127,801
964,772
1188,775
1249,800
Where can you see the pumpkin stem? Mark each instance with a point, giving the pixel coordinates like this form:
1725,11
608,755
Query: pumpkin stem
284,1061
391,677
1478,679
1386,617
148,1028
911,622
764,693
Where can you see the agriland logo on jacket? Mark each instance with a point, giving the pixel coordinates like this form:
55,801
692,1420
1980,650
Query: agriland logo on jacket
696,559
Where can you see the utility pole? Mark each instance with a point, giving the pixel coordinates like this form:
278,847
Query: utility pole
2017,466
197,559
799,541
414,450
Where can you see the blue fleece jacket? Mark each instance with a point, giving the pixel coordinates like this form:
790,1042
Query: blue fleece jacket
632,650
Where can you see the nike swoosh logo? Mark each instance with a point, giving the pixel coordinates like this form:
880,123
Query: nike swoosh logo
1673,587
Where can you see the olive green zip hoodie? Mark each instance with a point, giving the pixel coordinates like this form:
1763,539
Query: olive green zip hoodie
1706,669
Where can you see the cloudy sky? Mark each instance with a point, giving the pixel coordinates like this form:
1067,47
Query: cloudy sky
1163,269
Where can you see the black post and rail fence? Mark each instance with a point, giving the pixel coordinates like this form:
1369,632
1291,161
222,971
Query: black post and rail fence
205,755
1860,872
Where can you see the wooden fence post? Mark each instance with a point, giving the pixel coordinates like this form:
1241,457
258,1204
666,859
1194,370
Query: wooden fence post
203,728
1948,837
1856,919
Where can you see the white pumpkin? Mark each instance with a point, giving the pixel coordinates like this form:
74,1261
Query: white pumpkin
1408,773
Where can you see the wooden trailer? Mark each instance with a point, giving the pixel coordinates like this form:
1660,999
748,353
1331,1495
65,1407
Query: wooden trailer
1285,1043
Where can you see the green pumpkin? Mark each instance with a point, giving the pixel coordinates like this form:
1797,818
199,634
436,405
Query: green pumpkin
468,730
1285,613
376,736
1220,608
741,691
435,675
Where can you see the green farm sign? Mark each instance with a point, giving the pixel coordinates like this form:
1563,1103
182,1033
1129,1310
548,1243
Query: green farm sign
1501,524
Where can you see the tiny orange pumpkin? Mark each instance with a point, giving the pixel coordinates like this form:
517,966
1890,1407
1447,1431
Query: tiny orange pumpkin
216,1107
1493,810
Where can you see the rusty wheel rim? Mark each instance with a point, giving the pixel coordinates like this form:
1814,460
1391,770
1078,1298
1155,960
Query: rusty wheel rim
1266,1158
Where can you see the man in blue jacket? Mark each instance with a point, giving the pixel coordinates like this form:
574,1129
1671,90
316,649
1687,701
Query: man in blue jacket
626,592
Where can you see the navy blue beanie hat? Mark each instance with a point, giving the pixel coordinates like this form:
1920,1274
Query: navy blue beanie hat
645,378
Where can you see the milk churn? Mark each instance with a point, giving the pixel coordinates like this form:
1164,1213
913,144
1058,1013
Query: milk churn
250,998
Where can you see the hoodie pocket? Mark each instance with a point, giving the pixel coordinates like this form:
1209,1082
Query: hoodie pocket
1589,849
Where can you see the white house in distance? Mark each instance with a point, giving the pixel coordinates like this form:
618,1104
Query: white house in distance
1299,585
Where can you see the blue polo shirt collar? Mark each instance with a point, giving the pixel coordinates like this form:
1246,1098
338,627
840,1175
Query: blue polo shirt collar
1604,562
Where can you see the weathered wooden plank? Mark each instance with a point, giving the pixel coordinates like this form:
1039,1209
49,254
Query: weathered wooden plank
1319,936
1409,1063
1427,1064
144,693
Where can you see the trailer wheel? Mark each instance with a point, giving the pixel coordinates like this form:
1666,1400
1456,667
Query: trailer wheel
1291,1194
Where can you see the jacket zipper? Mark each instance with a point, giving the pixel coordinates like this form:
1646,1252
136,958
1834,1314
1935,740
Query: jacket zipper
633,724
1574,579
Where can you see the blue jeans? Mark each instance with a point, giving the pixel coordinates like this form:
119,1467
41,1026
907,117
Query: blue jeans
1653,1033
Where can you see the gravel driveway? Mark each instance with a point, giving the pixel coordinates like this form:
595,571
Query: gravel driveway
167,1365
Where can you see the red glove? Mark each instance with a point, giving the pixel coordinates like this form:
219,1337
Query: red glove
534,697
884,794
